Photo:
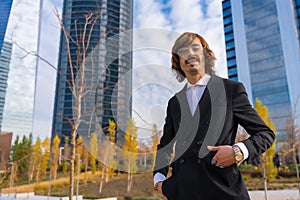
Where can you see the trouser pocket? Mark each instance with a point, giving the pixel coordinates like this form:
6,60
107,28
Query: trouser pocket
169,188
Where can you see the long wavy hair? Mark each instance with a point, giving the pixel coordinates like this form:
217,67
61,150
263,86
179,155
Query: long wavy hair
185,40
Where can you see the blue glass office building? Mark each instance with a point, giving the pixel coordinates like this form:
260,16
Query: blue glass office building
107,49
5,53
5,56
5,7
262,50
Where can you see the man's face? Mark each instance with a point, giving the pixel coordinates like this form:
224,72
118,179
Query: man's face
192,58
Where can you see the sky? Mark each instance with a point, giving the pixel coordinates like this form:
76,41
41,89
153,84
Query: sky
157,23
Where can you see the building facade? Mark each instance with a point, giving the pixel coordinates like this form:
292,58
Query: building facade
5,56
109,57
5,53
4,12
262,50
22,31
5,149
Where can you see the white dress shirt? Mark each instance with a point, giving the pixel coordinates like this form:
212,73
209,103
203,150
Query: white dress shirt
194,93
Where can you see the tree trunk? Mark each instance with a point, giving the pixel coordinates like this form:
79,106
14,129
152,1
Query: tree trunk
49,183
12,172
264,176
30,171
71,187
72,158
85,174
107,169
128,182
55,172
296,165
37,177
129,177
101,181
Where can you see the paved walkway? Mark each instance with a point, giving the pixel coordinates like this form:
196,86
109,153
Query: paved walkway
31,196
275,195
255,195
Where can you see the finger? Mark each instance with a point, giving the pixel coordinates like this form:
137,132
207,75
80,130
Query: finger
213,148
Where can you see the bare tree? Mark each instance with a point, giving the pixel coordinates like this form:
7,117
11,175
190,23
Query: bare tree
108,154
54,156
77,72
156,134
35,160
268,168
85,162
79,67
130,150
293,138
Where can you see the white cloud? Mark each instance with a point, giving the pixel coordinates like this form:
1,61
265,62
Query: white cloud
149,14
186,15
214,9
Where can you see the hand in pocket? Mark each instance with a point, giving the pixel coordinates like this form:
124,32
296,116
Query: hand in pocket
169,188
159,189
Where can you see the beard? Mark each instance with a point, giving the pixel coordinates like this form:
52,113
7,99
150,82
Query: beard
194,69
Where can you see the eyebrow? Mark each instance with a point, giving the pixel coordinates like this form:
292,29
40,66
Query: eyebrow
193,45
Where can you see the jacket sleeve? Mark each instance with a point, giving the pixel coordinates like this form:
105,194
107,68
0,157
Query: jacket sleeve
261,136
165,147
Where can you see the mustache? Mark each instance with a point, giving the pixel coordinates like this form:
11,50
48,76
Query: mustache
192,58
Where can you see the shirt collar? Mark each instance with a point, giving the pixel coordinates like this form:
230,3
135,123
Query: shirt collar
202,82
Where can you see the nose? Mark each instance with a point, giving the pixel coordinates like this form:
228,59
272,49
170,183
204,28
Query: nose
190,51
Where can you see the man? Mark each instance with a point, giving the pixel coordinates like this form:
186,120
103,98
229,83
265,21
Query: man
202,121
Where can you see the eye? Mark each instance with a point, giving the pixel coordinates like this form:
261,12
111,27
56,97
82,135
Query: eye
196,48
183,51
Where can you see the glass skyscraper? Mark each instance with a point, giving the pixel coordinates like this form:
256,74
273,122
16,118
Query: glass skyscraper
22,31
262,50
5,56
5,7
109,53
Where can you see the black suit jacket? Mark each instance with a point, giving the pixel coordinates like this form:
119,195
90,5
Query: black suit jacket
223,106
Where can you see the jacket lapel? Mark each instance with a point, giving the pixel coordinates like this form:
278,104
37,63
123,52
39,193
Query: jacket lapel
216,92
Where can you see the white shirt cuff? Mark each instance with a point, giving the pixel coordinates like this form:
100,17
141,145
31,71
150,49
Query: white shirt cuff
244,150
159,177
